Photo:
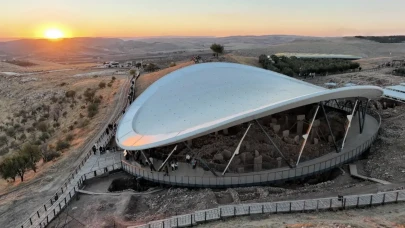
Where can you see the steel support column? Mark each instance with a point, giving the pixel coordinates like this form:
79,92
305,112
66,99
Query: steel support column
275,146
350,118
167,159
307,135
237,149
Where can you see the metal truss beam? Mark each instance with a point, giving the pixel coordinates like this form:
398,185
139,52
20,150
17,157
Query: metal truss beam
307,135
167,159
236,150
275,146
330,128
350,118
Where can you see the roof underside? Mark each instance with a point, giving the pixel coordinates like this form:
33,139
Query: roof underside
204,98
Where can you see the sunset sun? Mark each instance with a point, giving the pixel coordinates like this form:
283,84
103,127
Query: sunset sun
54,34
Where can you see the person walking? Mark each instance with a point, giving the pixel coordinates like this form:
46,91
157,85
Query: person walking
188,158
194,163
166,171
172,165
94,149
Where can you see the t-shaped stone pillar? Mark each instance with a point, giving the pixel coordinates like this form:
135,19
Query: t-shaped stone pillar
276,128
300,124
279,162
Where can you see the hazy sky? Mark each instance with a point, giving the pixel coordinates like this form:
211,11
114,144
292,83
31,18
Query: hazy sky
134,18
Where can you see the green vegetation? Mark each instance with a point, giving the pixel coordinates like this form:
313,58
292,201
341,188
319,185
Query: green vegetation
92,110
151,67
383,39
101,85
172,64
302,67
21,63
19,163
399,72
61,145
217,49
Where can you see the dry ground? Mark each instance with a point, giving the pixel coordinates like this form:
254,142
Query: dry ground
32,89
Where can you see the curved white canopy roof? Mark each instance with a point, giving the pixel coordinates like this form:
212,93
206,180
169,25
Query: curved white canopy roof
204,98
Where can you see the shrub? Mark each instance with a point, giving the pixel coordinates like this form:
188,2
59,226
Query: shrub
172,64
101,85
151,67
109,84
69,137
71,127
42,126
64,114
113,78
44,136
84,123
4,151
62,84
50,155
54,99
92,110
81,116
61,145
56,125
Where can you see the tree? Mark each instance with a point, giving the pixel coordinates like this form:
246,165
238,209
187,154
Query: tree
21,165
217,49
131,72
138,65
61,145
32,155
8,169
44,136
3,140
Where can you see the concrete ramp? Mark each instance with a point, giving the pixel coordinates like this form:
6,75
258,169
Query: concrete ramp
353,172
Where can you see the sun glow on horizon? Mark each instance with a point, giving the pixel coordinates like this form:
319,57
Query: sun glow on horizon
54,34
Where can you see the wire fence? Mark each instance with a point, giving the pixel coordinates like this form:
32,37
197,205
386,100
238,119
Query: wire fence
294,206
103,140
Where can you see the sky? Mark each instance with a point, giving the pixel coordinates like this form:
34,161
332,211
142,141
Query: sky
145,18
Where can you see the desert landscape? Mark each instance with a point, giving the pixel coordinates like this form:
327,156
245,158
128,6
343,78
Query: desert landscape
38,106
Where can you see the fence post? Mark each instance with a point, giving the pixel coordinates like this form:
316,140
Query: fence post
358,199
31,221
396,199
371,200
383,202
330,203
344,203
38,214
220,213
317,205
290,206
177,221
45,207
54,213
303,209
276,208
249,210
47,219
205,217
262,209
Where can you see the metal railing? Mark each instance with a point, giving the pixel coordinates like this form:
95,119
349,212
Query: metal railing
256,178
294,206
55,209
